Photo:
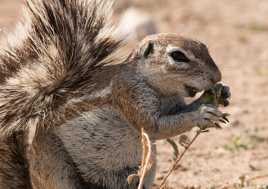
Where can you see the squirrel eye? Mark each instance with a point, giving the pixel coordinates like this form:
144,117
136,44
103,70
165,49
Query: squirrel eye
179,56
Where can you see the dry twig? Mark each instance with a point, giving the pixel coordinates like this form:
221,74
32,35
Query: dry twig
175,164
174,147
258,177
146,155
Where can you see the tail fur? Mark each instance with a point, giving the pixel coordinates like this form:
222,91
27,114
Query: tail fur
45,73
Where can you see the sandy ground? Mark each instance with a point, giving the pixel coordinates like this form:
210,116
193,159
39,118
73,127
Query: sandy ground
237,35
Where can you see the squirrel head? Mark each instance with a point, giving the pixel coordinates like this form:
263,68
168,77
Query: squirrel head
175,65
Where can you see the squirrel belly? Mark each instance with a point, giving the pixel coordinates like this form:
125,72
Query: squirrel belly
104,148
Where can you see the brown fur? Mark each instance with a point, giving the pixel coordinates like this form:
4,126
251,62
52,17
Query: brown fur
13,165
79,114
54,65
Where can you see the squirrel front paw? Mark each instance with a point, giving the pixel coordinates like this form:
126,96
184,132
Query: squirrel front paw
209,116
217,95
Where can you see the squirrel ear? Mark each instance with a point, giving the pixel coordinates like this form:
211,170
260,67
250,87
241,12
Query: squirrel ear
148,49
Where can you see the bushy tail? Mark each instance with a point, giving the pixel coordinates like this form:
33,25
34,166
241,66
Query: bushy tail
47,71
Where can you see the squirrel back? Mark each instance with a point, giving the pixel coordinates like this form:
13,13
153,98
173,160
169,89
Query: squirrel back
47,72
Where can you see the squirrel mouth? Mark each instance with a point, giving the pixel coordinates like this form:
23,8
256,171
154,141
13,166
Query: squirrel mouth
191,90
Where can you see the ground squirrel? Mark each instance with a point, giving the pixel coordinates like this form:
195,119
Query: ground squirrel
70,118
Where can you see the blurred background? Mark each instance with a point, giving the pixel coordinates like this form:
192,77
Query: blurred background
236,32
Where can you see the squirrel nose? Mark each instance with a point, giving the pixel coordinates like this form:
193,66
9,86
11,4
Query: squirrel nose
216,76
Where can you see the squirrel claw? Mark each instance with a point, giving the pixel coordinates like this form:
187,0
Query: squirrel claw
217,126
225,118
222,121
